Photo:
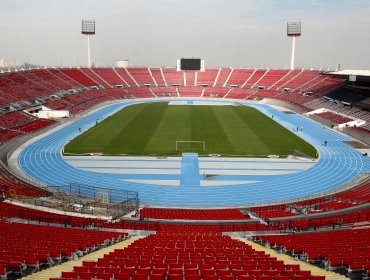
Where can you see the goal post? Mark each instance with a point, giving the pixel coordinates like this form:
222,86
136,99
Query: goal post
186,143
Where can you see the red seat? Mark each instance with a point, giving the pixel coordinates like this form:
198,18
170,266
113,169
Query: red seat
245,277
299,277
238,272
122,276
192,277
210,277
205,272
141,276
227,277
160,276
223,272
70,274
191,271
104,275
281,277
317,277
175,276
86,275
81,268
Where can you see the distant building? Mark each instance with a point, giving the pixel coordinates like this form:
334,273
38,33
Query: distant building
3,63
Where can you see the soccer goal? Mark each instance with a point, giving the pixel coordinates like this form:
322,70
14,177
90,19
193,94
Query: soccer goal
187,145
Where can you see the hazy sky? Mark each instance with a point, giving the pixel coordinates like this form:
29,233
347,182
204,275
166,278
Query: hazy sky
228,33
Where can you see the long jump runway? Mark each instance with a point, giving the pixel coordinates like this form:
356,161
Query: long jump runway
214,183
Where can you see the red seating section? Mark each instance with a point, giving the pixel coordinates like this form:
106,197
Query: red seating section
32,245
335,118
188,255
8,210
141,75
191,214
10,187
349,248
272,211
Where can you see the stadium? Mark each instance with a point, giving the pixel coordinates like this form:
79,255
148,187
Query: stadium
185,171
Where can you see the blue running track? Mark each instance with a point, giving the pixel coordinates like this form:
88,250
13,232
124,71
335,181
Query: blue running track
338,164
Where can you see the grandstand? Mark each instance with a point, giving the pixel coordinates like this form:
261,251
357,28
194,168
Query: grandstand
180,243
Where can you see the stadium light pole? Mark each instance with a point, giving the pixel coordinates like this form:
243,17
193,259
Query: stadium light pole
88,28
293,30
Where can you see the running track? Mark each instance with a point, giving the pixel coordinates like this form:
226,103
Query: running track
339,163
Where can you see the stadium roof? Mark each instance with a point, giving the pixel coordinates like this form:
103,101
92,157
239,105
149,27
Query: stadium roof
362,73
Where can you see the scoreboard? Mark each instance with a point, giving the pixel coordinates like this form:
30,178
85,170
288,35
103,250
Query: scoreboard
190,64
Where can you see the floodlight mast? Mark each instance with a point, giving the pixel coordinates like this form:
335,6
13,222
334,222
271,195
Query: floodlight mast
88,28
293,30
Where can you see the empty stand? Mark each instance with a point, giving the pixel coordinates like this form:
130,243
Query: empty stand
342,249
192,214
197,254
25,245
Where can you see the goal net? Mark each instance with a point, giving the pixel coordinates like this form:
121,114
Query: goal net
190,146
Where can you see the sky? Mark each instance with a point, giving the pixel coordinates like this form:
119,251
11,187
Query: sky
225,33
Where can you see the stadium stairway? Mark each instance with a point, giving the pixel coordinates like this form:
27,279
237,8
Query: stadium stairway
329,275
57,270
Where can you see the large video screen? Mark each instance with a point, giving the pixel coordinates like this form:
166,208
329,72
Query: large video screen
192,64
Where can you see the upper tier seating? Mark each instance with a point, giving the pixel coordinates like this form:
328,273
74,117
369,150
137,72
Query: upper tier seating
257,75
158,77
109,75
141,75
303,78
47,76
222,76
173,77
93,76
207,77
350,94
22,88
190,79
123,73
239,76
272,77
71,82
79,76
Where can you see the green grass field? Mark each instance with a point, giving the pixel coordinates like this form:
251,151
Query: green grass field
154,128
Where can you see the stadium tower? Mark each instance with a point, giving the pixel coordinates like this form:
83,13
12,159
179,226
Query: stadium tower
293,30
88,28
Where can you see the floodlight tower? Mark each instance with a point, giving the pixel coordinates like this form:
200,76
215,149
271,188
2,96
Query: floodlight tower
88,28
293,30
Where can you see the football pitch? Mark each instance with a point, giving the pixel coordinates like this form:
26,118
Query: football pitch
160,129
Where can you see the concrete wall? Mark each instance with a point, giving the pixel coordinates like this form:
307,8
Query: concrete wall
362,137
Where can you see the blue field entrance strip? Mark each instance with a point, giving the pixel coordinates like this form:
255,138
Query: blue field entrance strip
190,170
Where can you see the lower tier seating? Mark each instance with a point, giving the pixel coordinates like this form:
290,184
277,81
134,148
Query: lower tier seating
195,255
26,245
8,210
348,249
191,214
